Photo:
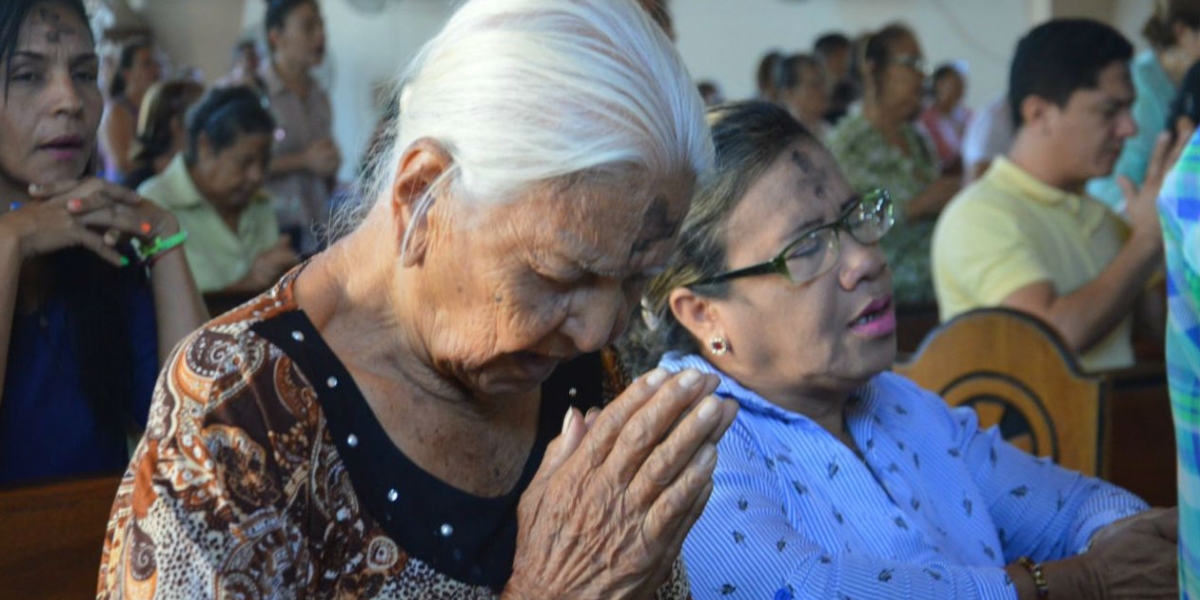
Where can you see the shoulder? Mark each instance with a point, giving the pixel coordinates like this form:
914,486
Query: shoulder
899,401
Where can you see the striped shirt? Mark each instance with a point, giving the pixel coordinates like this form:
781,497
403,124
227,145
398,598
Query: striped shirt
1179,206
931,506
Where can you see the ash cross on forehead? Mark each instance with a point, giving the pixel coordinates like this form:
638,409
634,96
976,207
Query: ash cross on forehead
656,226
814,176
55,28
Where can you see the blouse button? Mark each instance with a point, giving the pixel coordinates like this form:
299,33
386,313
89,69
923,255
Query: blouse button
446,530
572,392
296,335
393,495
352,440
332,382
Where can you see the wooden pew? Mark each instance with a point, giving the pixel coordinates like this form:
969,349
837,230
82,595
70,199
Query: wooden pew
1017,373
52,537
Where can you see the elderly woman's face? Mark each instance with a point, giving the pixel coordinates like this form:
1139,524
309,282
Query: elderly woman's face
789,338
520,287
50,104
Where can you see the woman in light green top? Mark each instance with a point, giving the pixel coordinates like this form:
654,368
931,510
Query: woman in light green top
1174,35
214,189
881,148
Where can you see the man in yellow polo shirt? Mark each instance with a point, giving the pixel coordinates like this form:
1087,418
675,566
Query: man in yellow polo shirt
1026,236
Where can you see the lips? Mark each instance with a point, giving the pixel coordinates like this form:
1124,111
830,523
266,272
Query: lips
876,320
64,147
536,366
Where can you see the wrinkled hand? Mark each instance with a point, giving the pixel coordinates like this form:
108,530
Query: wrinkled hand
273,263
1141,204
323,158
89,213
1137,557
608,510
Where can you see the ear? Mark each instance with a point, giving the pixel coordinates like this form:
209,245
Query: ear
204,148
1035,112
273,38
421,167
696,313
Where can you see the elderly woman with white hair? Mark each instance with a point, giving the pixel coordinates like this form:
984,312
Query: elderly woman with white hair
385,422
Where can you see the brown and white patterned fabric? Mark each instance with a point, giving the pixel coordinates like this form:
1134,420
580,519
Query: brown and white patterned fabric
263,474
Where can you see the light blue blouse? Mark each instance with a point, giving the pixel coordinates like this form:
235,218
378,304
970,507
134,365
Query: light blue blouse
935,508
1150,110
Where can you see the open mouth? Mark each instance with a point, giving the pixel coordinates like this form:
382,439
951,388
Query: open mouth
874,311
878,319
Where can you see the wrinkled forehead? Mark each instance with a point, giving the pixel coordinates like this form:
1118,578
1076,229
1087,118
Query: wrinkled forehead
51,23
803,187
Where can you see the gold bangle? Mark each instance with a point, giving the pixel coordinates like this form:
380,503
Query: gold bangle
1039,576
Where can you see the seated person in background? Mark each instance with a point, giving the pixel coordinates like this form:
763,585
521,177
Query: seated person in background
881,148
989,134
1173,33
833,50
245,69
81,338
160,132
804,92
839,479
137,69
1027,237
945,119
1178,205
214,189
768,75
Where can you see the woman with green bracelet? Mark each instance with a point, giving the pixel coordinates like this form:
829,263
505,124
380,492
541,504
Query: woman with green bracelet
81,338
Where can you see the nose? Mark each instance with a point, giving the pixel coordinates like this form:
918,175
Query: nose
597,315
1127,127
64,95
860,262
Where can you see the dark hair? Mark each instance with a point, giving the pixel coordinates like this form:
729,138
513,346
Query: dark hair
128,55
874,53
1159,29
943,71
790,75
92,291
277,13
164,102
829,43
1060,57
12,17
223,115
767,75
748,137
1187,101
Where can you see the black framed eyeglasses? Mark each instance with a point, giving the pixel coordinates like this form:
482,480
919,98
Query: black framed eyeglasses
815,252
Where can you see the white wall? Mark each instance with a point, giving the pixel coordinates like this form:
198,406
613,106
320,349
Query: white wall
197,33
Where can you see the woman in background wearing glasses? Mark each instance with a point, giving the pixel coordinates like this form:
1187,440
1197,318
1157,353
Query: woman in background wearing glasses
881,148
839,479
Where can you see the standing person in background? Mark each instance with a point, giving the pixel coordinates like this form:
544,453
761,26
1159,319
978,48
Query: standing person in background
767,77
305,159
881,148
835,51
989,134
1173,32
137,70
160,132
945,119
804,92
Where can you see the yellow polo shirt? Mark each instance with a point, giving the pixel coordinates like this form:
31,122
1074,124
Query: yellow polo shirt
217,255
1010,230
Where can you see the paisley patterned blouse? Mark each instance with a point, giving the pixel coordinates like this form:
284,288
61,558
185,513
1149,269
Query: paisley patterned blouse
264,474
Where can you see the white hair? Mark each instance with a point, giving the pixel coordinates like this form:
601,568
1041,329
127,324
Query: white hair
520,92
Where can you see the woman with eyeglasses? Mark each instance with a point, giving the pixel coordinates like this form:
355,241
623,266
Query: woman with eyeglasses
882,148
839,479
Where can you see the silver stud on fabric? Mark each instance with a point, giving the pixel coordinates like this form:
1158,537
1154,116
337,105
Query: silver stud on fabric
447,530
296,335
393,495
352,440
332,382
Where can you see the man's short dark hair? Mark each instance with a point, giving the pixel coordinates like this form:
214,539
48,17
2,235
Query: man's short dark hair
1060,57
278,11
831,42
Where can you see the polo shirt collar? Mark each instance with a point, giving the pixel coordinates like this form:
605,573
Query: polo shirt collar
181,191
1007,174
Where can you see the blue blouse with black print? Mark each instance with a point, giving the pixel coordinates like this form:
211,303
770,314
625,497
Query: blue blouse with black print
930,507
